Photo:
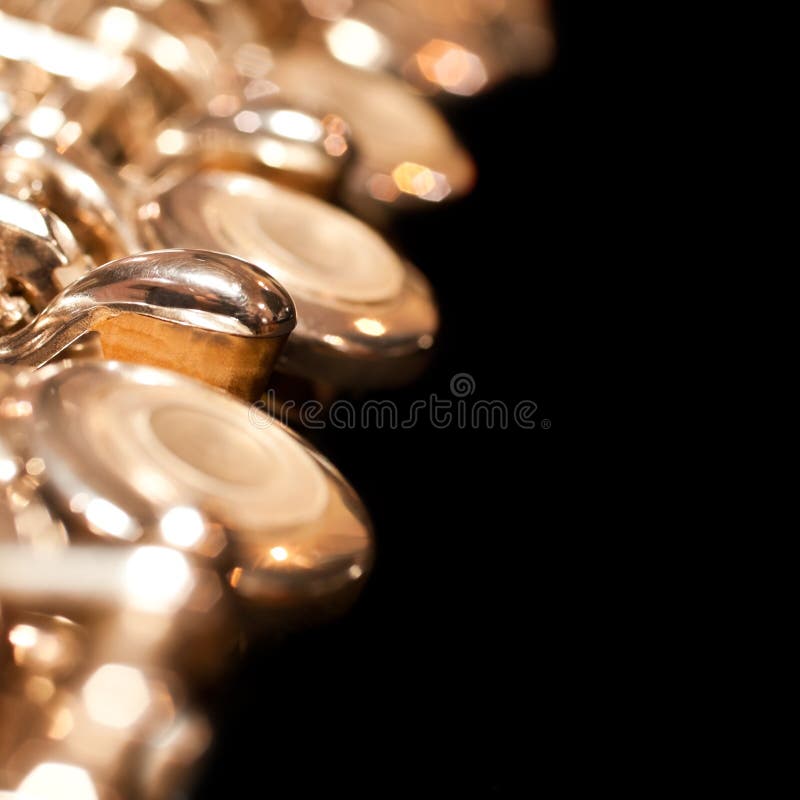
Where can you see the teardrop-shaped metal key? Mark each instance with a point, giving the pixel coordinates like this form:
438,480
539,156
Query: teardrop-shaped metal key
208,315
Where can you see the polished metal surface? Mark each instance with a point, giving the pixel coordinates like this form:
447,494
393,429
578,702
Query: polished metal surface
14,309
153,522
86,66
38,254
455,47
74,183
365,317
210,315
288,145
98,62
194,469
90,682
136,560
72,86
406,150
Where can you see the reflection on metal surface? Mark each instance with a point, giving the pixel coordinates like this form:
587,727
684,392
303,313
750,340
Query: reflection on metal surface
421,181
151,524
116,695
339,272
182,526
370,326
357,44
37,252
45,645
190,464
107,518
55,781
209,315
402,127
156,579
87,65
77,187
451,66
291,146
188,460
458,46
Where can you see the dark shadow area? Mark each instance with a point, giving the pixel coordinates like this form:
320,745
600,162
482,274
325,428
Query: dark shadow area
463,628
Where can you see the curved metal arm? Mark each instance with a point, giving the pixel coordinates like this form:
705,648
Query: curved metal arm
206,314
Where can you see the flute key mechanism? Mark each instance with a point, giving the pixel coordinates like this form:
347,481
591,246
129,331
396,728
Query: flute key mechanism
194,469
208,315
38,254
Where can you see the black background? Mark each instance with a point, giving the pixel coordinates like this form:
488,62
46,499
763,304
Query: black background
453,670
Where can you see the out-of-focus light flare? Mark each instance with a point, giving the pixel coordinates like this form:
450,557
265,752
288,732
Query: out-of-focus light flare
171,141
32,645
252,60
46,121
258,88
420,181
295,125
34,467
117,28
69,134
235,576
451,66
247,121
107,517
182,526
223,105
335,142
382,187
335,145
116,695
157,579
170,53
23,636
371,327
63,722
279,553
86,64
29,148
273,154
56,781
357,44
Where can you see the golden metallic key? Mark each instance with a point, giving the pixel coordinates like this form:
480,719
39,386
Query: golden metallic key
208,315
282,143
202,97
366,318
139,516
406,150
77,83
141,603
112,75
94,634
192,468
456,47
71,181
151,524
228,114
